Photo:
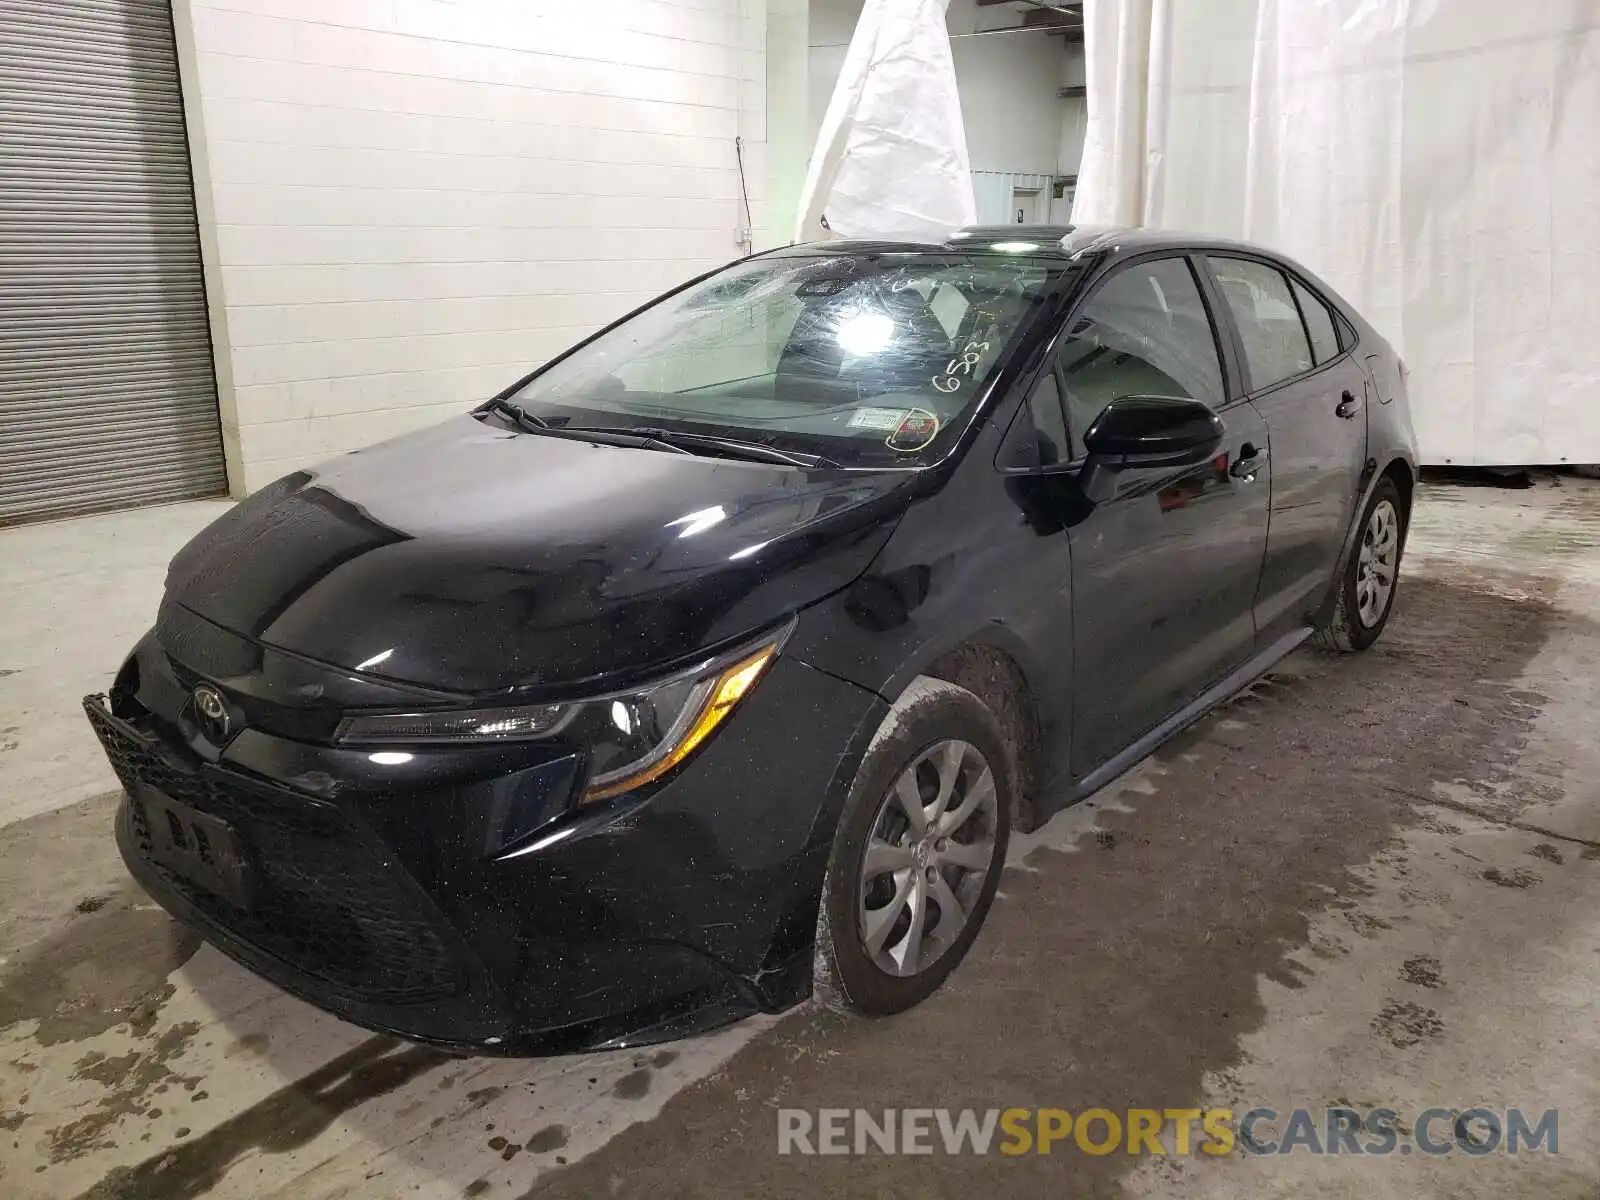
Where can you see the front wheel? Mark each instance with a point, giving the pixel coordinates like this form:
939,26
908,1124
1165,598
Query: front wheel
918,853
1371,577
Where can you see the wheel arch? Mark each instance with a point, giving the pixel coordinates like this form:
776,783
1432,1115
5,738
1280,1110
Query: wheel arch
1403,472
1404,475
991,670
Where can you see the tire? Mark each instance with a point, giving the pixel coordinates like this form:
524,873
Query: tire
1362,608
945,743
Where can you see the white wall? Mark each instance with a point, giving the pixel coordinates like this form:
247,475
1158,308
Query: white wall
1009,83
405,204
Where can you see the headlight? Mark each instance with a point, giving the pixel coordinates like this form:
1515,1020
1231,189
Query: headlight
460,725
631,737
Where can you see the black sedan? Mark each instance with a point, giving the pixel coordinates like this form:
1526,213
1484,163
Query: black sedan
716,660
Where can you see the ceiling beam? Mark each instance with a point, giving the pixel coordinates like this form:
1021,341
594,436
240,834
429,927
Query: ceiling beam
1055,19
1052,18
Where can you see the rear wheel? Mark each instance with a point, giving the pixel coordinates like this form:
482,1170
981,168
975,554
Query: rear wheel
1371,577
918,853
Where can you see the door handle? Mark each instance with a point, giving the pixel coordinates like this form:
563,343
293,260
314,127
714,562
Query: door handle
1349,406
1250,461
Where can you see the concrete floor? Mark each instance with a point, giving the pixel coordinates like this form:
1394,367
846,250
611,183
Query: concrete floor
74,597
1372,880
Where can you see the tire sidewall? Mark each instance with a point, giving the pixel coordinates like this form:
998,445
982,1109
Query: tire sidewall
941,713
1361,636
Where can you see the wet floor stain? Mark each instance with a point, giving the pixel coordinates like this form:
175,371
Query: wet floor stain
1367,925
1435,824
285,1120
1423,970
108,1072
1404,1023
633,1085
1519,877
107,967
546,1140
134,1083
250,1043
506,1149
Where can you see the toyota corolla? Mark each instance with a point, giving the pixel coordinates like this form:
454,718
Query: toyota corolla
716,660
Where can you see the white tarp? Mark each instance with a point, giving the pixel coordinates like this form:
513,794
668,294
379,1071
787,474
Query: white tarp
1437,161
891,157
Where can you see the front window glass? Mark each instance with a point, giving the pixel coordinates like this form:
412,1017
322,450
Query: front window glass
1146,332
869,359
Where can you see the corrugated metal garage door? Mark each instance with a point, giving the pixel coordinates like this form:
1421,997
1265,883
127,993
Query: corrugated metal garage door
107,393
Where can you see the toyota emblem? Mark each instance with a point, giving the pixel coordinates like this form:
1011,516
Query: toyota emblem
212,713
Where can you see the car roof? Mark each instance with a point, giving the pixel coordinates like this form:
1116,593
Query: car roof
1045,241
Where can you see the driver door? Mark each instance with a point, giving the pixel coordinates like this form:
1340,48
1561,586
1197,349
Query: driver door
1164,573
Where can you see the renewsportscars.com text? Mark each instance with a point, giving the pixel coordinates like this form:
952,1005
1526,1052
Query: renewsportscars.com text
1178,1131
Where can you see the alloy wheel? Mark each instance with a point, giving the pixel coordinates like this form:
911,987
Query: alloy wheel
1377,563
931,847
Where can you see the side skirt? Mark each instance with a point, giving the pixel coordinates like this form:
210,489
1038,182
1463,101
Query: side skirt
1231,684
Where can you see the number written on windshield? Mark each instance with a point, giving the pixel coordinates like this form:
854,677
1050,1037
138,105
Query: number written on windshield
960,368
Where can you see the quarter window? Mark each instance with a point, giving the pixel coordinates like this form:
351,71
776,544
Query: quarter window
1049,423
1275,343
1319,323
1146,332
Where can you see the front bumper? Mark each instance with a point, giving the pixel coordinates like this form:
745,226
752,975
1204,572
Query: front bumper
395,896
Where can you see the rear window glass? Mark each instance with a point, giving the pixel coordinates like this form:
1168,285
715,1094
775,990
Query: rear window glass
1275,343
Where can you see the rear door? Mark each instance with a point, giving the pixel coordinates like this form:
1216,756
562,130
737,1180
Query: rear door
1165,572
1305,382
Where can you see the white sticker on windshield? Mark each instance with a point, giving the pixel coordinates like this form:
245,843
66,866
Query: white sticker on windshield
879,420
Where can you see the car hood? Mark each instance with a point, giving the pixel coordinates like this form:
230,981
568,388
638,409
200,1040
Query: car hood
473,559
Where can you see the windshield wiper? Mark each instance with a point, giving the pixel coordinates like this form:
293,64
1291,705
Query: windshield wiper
520,416
526,421
733,447
650,437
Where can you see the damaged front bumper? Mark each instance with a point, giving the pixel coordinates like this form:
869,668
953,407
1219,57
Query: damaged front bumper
434,896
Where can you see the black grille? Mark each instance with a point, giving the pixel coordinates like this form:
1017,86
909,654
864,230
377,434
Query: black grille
321,901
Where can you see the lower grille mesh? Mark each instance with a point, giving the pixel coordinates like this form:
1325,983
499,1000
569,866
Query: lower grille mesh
323,902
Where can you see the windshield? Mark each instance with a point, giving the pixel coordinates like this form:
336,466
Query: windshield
865,359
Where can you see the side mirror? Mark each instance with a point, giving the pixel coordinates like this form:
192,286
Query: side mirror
1146,431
